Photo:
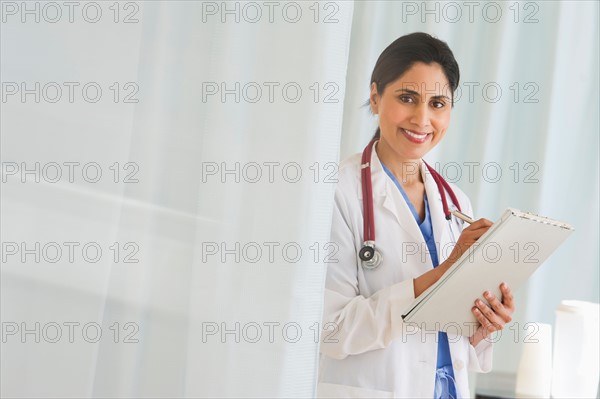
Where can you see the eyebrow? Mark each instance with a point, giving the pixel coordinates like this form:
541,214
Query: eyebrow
408,91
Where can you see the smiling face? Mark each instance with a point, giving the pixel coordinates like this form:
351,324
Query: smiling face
414,113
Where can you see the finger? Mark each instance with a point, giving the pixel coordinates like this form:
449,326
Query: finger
473,233
486,325
507,297
489,314
468,238
480,224
498,307
485,310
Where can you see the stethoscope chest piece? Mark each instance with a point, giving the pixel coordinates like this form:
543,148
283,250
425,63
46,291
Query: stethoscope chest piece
371,259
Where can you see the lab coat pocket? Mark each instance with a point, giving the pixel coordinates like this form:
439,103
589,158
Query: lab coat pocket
325,390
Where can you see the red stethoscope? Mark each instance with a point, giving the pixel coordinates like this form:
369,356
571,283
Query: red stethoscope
371,258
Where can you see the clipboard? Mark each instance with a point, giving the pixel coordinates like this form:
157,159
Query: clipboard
510,251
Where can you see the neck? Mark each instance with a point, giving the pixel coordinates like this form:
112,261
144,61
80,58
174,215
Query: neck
407,171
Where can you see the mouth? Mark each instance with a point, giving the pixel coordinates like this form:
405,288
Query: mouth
416,137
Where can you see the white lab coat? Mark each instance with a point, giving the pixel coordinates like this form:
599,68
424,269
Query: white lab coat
372,353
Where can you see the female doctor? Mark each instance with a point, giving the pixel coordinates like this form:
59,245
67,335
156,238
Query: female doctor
366,349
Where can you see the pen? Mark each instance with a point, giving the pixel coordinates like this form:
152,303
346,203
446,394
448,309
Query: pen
463,217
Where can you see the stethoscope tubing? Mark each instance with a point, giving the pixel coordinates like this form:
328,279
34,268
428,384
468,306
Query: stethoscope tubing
369,256
368,222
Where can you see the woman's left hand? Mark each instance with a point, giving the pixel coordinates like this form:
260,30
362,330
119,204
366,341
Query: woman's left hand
494,316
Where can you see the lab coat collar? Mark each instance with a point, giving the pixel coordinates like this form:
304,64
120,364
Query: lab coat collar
436,210
387,194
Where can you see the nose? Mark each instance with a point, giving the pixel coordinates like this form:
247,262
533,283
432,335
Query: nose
420,116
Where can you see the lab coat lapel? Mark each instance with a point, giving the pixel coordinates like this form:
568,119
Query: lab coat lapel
386,193
438,219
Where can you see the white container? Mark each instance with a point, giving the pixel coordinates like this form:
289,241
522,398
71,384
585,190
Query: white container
576,364
534,377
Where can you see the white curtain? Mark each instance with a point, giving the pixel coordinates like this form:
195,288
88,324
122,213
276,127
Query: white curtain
212,213
229,219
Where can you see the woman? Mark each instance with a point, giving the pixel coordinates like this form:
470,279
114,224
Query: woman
366,350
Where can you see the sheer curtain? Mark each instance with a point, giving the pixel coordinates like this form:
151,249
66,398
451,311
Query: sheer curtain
217,150
221,211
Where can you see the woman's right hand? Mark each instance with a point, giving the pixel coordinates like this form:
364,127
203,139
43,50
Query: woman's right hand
467,238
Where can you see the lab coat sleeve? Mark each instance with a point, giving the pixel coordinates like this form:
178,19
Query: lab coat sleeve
480,356
353,323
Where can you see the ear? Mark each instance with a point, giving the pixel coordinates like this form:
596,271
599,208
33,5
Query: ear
374,99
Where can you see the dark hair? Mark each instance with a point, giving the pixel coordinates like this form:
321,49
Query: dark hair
407,50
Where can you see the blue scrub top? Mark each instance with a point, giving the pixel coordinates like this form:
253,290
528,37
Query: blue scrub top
445,383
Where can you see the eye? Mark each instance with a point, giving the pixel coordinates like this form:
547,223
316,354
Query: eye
438,104
405,98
